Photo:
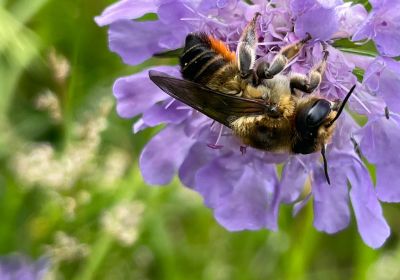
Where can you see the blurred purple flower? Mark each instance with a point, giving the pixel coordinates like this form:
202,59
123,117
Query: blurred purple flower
17,266
244,190
382,26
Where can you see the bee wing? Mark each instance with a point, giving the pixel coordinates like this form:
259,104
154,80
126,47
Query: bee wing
218,106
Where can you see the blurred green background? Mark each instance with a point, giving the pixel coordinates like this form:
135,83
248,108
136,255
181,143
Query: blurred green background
70,187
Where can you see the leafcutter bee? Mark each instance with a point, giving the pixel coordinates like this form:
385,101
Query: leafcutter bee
260,105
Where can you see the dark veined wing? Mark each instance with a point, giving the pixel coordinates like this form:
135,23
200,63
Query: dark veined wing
221,107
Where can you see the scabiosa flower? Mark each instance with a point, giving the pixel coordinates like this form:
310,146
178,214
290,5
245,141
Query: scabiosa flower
242,185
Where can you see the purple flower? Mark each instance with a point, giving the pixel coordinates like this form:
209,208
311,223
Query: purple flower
17,266
382,78
241,185
382,26
378,140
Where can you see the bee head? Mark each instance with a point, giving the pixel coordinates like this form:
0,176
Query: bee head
314,121
313,128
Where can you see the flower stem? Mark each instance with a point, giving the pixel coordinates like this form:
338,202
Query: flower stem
104,241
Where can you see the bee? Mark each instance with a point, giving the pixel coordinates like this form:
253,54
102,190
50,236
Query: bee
261,105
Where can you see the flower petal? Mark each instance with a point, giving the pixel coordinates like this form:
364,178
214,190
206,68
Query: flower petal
350,19
165,113
380,137
125,9
372,226
365,30
135,42
331,204
241,197
157,164
199,155
388,182
137,93
383,78
383,26
294,175
216,179
311,22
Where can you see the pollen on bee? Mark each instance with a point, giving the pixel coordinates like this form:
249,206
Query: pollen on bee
222,49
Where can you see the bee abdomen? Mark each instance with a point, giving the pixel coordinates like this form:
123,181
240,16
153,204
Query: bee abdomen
203,56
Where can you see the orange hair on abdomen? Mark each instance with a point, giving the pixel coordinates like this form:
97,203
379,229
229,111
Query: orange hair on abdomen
219,47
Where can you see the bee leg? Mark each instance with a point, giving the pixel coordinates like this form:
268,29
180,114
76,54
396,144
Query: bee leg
243,149
246,50
316,73
300,82
310,82
284,56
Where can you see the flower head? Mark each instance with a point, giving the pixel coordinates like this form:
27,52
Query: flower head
240,184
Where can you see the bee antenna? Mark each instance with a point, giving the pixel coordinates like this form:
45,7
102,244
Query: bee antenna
325,164
342,105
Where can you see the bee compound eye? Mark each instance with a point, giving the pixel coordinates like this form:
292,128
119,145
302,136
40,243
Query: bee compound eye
318,112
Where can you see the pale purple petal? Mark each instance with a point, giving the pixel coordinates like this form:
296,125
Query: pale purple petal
207,5
331,203
376,4
294,175
341,141
137,93
250,205
241,197
329,3
372,226
311,22
135,42
126,9
387,30
387,42
360,61
217,179
338,75
199,155
383,78
366,103
388,181
380,137
299,7
365,31
173,15
383,26
166,112
172,12
157,164
350,19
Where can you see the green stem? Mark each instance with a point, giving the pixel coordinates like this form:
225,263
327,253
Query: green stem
304,239
104,241
358,51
